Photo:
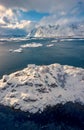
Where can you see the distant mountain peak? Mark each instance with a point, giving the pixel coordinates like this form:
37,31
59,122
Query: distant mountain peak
68,30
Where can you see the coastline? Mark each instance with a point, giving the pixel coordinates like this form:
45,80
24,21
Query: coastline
35,87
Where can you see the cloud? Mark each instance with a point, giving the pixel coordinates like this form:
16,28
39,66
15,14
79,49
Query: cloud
21,25
7,16
58,20
10,24
54,20
60,12
18,28
6,20
11,32
42,5
58,8
5,11
71,13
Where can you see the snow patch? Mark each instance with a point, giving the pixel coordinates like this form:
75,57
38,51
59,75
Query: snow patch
20,50
50,45
31,45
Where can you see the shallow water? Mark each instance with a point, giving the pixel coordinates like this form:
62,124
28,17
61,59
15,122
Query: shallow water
65,52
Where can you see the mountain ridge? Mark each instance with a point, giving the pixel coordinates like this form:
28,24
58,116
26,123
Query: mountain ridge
68,30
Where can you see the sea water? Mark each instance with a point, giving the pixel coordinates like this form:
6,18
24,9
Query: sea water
66,52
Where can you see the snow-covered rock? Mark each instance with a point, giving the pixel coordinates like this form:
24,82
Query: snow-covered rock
20,50
36,87
31,45
69,30
50,45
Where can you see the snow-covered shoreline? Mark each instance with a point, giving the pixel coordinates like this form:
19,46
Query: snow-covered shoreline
36,87
16,50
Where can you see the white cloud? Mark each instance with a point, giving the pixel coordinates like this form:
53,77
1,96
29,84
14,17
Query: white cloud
9,22
5,11
7,16
2,22
54,20
58,10
11,32
20,25
18,28
42,5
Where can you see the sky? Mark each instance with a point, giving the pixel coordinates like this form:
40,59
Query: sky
20,16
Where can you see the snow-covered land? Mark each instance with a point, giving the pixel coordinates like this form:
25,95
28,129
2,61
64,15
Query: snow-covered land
31,45
36,87
62,31
50,45
16,50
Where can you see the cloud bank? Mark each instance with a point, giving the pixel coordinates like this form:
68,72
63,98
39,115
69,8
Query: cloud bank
60,11
42,5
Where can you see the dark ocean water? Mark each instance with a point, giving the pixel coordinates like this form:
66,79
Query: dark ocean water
65,52
62,117
69,117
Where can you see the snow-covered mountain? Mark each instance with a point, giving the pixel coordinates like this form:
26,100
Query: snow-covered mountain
69,30
36,87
